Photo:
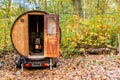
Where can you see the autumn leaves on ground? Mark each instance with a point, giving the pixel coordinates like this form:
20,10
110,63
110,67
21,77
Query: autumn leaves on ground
91,67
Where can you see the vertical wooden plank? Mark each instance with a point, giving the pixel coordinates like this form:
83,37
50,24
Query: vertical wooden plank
45,35
26,37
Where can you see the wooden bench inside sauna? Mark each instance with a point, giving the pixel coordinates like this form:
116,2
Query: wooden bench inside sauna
35,35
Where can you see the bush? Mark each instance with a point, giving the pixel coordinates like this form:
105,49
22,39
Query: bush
99,31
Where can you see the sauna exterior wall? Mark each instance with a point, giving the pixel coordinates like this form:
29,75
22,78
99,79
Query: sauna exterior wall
20,38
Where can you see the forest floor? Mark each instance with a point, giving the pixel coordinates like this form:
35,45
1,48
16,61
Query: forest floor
92,67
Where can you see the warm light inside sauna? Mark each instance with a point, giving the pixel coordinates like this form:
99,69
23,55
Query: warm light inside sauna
37,46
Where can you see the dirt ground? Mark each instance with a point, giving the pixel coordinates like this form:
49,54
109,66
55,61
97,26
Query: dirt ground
92,67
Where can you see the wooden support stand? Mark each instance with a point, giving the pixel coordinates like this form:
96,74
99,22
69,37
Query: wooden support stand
51,64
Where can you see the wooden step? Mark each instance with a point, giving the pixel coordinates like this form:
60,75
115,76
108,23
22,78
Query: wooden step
36,57
36,53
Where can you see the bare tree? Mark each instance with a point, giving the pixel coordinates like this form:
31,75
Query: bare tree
45,4
119,42
78,7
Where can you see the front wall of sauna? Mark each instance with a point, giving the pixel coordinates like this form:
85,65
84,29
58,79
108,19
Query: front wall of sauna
20,37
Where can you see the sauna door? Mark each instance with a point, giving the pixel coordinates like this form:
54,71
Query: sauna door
51,36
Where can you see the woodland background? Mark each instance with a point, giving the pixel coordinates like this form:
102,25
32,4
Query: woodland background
84,23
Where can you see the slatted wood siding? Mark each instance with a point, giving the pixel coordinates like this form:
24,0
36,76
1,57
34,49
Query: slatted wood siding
20,35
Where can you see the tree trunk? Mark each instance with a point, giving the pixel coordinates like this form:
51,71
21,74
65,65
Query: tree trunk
98,5
118,1
78,7
45,4
119,43
102,5
62,7
8,8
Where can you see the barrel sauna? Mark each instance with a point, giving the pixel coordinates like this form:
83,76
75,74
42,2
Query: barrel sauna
38,24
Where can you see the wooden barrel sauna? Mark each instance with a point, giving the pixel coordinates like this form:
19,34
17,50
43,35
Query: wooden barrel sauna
23,33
